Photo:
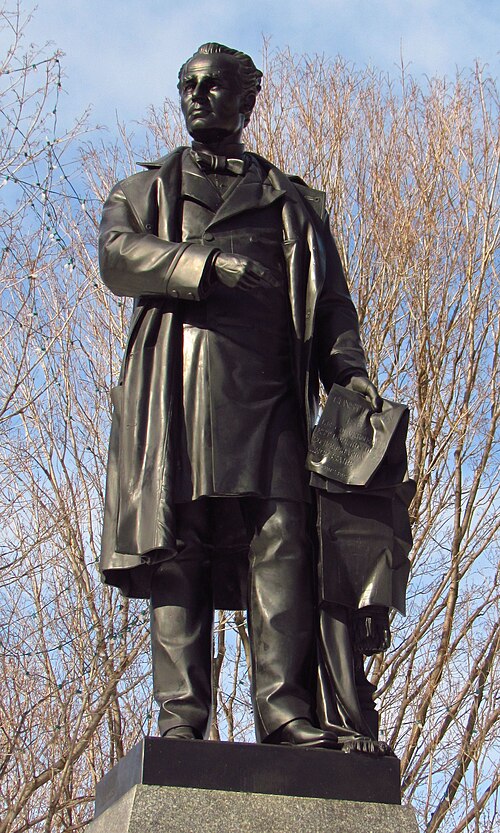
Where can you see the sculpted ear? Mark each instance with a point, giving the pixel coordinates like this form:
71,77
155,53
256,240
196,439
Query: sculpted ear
247,105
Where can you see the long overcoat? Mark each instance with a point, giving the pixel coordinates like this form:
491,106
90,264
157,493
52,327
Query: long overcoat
143,256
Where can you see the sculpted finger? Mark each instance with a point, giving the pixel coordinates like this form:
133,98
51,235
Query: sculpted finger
373,395
361,384
264,275
247,283
255,267
259,269
272,280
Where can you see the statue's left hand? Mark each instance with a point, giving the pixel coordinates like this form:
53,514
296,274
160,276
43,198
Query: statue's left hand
361,384
371,631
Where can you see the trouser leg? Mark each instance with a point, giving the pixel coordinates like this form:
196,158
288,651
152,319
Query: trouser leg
181,627
280,609
338,696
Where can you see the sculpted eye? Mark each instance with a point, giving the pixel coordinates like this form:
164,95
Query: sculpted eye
217,83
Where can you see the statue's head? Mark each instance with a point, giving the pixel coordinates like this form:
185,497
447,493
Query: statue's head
218,87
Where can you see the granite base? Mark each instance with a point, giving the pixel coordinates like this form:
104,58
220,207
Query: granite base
179,786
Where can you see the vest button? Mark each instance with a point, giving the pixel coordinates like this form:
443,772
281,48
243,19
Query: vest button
208,237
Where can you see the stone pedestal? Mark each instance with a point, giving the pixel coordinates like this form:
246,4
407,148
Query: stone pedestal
206,787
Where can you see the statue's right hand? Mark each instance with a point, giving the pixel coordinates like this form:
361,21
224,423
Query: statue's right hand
242,272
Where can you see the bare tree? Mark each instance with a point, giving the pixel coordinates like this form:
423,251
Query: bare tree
411,173
65,647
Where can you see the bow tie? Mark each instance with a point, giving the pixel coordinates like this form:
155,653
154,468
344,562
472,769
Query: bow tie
212,163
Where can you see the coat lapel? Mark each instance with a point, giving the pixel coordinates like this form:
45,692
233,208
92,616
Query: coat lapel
197,186
181,176
177,177
253,192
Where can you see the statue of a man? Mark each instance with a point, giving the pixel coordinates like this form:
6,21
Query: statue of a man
241,308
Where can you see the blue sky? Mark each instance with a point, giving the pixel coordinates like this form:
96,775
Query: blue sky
121,57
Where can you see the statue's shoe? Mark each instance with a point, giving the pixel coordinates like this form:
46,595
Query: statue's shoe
301,732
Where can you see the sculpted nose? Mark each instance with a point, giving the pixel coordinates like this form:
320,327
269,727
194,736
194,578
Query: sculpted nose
198,92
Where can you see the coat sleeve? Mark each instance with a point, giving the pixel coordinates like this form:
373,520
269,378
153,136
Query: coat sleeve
134,262
340,353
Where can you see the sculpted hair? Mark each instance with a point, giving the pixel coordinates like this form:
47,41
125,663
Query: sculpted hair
249,75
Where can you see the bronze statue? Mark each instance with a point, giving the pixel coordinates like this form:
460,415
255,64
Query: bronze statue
241,307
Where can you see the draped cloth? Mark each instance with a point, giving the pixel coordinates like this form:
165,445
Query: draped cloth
358,465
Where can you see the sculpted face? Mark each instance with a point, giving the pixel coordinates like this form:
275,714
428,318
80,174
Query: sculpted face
211,99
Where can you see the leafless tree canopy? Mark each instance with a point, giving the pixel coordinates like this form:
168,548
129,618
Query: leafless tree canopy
411,172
